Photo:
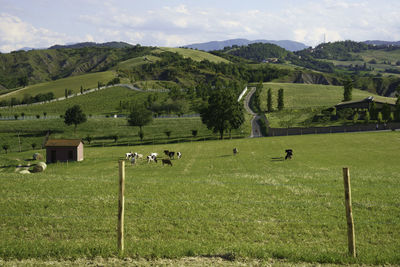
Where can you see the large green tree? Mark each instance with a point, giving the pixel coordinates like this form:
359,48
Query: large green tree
348,90
139,115
74,116
223,111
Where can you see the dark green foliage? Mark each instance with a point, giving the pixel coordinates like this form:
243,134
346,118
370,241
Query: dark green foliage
373,111
74,116
174,67
23,68
269,100
139,115
168,133
386,112
256,100
397,111
89,139
367,117
141,134
114,81
222,112
194,132
259,52
280,99
33,145
348,90
6,147
338,50
379,117
307,61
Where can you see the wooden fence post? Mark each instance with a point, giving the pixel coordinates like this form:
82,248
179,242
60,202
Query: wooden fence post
121,205
349,215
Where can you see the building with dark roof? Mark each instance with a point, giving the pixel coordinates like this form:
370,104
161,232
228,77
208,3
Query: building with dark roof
64,150
366,103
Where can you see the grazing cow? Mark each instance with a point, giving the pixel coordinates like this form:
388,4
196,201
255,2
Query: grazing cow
289,153
139,156
128,155
135,155
171,154
151,158
166,161
179,154
166,152
235,151
154,154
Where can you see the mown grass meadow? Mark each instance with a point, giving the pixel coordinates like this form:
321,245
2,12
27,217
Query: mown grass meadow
211,203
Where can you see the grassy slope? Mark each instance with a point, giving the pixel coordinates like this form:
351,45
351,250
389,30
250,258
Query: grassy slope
137,61
211,203
88,81
301,99
105,101
194,54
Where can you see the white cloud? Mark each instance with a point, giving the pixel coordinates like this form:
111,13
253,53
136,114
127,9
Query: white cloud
16,34
192,22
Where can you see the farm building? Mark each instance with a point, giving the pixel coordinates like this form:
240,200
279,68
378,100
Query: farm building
365,103
64,150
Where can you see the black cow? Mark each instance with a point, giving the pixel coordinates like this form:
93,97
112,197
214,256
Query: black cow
166,161
289,153
171,154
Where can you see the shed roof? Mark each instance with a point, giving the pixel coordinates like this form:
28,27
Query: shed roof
63,142
390,101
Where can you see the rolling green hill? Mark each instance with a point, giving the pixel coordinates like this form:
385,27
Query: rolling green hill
57,87
22,68
195,55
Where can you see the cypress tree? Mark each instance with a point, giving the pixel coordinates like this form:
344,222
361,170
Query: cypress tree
269,100
280,99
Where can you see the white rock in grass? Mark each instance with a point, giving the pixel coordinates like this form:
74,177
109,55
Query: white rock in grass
42,164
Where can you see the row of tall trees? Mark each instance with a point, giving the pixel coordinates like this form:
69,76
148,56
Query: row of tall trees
280,100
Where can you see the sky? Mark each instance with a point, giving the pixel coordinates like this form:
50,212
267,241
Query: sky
43,23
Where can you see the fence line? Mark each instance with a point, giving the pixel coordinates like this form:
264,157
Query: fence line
333,129
337,221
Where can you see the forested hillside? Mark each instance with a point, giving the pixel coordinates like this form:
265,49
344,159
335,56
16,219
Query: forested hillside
21,68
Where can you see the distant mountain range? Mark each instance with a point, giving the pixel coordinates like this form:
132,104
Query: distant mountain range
219,45
82,45
378,42
92,44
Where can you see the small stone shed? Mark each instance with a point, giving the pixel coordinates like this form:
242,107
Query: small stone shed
64,150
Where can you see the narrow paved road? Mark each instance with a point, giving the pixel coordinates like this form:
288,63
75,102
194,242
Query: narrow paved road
255,128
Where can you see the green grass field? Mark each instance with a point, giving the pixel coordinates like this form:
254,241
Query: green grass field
304,100
210,203
74,83
21,134
196,55
105,102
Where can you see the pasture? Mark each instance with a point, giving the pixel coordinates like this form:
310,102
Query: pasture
253,205
74,83
300,101
195,55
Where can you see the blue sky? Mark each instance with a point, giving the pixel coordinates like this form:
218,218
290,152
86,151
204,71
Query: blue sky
42,23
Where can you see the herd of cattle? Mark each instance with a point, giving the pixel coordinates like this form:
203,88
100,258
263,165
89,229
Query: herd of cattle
134,156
